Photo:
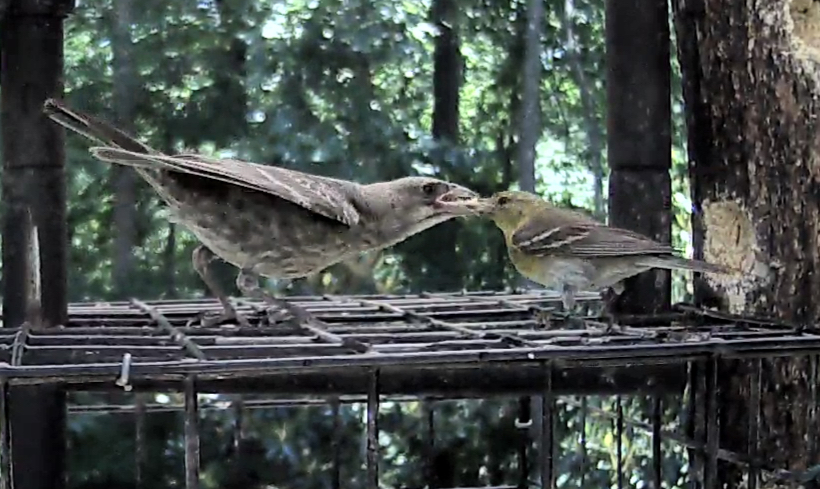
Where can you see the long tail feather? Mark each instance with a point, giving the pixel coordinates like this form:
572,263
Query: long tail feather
679,263
93,128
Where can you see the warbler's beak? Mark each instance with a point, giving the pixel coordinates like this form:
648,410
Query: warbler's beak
457,201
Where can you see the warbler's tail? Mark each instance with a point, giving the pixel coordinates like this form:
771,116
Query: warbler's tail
672,262
93,128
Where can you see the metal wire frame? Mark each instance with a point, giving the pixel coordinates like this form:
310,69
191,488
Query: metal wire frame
706,451
381,336
155,346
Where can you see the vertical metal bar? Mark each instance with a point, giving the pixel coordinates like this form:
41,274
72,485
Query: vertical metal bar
524,423
619,434
547,435
754,420
238,408
657,455
584,459
695,422
139,440
712,424
191,434
373,431
812,410
430,445
336,477
5,437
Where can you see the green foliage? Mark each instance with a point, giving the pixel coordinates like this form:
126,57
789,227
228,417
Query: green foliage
344,89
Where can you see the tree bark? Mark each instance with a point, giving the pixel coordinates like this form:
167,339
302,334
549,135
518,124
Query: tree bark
752,115
639,136
124,179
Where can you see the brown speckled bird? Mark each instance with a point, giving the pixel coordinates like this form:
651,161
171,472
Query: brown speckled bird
568,251
269,221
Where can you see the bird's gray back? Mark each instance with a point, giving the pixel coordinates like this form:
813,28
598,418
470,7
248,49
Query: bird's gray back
249,229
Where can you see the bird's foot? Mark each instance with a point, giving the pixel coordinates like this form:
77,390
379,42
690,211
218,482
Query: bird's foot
543,318
572,317
202,258
228,313
277,310
573,321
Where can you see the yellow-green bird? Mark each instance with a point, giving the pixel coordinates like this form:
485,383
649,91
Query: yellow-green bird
568,251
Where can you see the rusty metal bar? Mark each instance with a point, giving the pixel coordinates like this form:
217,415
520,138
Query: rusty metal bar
140,452
584,455
546,438
336,465
755,386
695,423
191,434
5,437
657,454
176,335
238,409
506,338
619,439
812,410
712,424
523,423
429,414
373,431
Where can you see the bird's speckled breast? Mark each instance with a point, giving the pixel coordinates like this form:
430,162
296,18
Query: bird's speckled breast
272,236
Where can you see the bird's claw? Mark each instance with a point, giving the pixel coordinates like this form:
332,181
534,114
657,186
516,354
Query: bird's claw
207,320
543,319
575,322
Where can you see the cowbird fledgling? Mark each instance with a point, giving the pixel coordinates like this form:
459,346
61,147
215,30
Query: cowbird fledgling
568,251
269,221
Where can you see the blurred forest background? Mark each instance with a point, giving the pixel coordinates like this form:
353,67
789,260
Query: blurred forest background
364,90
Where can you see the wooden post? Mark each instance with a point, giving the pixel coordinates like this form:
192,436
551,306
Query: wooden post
639,136
34,223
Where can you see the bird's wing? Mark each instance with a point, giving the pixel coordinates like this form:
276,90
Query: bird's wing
323,196
563,233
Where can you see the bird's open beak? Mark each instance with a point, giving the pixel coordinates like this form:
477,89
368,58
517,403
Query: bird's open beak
458,201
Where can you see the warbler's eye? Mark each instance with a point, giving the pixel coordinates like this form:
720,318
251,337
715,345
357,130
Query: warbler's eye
503,200
428,188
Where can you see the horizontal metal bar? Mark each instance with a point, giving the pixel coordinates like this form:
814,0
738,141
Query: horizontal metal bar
618,354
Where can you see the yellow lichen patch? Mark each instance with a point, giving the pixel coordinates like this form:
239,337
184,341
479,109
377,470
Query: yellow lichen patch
730,240
805,20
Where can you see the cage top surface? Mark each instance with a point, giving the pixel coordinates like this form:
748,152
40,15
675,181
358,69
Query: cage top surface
428,342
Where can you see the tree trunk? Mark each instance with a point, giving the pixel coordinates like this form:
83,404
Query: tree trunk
446,71
124,179
751,104
592,126
529,130
446,87
639,136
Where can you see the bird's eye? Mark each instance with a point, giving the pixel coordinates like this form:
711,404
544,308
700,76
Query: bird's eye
503,200
428,188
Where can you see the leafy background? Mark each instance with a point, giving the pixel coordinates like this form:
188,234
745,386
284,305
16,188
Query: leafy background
365,90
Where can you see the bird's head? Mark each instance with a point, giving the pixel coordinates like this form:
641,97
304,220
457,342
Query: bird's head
422,199
507,208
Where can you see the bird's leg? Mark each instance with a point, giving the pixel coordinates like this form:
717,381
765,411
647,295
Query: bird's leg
610,296
568,300
248,283
202,258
